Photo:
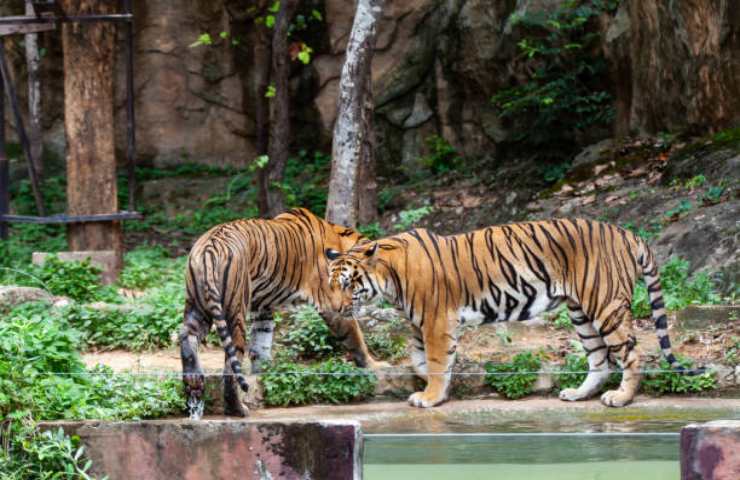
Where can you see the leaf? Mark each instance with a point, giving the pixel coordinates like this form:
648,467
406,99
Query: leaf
316,15
270,91
203,39
270,21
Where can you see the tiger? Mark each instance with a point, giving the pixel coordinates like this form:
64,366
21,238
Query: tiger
254,266
511,272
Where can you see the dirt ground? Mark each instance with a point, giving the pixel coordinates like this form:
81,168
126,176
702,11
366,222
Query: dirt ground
491,343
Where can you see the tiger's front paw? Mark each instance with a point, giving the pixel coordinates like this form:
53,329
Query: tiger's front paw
376,366
425,400
570,395
615,398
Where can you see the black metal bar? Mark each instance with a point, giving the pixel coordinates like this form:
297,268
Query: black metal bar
102,217
5,74
4,167
130,113
24,19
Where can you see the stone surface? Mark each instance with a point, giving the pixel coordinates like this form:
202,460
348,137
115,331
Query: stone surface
106,260
709,451
703,317
220,449
12,295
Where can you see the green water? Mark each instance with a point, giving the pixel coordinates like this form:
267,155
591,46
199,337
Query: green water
577,456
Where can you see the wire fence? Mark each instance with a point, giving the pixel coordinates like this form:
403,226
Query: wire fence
362,373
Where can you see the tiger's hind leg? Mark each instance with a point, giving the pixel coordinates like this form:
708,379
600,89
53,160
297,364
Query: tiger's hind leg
260,348
616,330
596,353
234,404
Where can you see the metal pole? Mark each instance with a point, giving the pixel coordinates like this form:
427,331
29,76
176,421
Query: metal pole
5,74
130,114
4,167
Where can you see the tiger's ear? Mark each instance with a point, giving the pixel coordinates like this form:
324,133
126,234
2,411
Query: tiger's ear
331,254
371,251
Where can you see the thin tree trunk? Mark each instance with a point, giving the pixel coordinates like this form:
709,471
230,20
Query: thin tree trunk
34,97
367,196
262,52
280,135
352,144
89,51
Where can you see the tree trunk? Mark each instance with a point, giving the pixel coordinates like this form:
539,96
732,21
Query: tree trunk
262,54
280,136
367,195
352,144
88,119
34,98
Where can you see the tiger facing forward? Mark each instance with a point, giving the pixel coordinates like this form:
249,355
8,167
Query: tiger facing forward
255,266
511,272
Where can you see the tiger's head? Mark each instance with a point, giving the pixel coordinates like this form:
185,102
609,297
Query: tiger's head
352,276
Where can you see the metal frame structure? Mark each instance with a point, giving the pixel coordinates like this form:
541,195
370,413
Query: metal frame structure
48,16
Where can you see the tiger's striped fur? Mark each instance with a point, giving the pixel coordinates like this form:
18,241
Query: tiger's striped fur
512,272
255,266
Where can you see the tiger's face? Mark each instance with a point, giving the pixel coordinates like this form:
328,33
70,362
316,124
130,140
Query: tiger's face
353,275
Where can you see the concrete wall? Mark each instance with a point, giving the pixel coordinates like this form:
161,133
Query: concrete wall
711,451
220,449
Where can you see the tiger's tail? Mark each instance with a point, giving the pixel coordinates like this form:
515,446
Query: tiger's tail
221,306
649,266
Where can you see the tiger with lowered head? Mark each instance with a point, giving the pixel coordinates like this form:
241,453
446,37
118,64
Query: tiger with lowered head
255,266
511,272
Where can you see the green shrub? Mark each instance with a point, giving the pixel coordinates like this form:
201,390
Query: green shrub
308,336
514,379
42,373
30,453
408,218
372,231
79,281
442,156
669,381
561,319
679,290
331,381
387,341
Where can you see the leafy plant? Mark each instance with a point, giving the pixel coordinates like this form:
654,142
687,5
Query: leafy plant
333,381
564,93
669,381
732,354
695,182
387,341
713,195
79,281
561,320
674,213
407,218
679,290
372,230
442,156
308,336
514,379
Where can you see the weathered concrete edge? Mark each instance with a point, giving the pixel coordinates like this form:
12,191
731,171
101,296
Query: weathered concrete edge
270,449
709,450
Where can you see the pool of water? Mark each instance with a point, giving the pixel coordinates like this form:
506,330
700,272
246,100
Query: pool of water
530,456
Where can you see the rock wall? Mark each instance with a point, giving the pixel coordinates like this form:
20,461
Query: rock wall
673,66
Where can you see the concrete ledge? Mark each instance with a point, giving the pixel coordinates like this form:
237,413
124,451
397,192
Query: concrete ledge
169,449
711,451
